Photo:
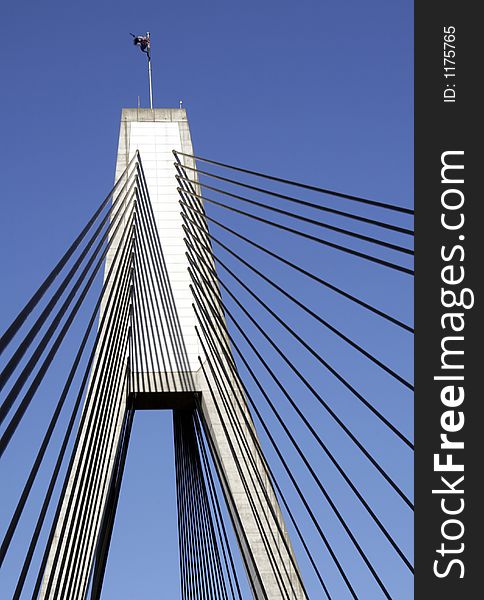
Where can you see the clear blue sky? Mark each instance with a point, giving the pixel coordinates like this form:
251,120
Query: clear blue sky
320,92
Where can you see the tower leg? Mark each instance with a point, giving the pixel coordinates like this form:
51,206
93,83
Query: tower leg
72,548
256,516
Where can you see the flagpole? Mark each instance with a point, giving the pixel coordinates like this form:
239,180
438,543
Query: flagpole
149,69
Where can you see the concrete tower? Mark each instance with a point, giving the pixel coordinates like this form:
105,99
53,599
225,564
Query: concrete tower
252,504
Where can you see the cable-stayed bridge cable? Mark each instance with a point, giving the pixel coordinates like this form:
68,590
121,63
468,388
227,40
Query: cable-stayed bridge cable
391,207
311,429
310,387
161,274
183,175
292,215
235,422
305,344
328,325
318,527
27,370
319,240
37,296
55,416
13,424
305,272
30,336
244,481
87,419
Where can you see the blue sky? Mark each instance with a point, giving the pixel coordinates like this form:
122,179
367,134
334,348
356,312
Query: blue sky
320,92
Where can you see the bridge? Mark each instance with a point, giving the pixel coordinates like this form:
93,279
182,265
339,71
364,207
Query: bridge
212,291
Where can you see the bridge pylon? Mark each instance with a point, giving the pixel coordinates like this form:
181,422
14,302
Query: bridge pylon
163,344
